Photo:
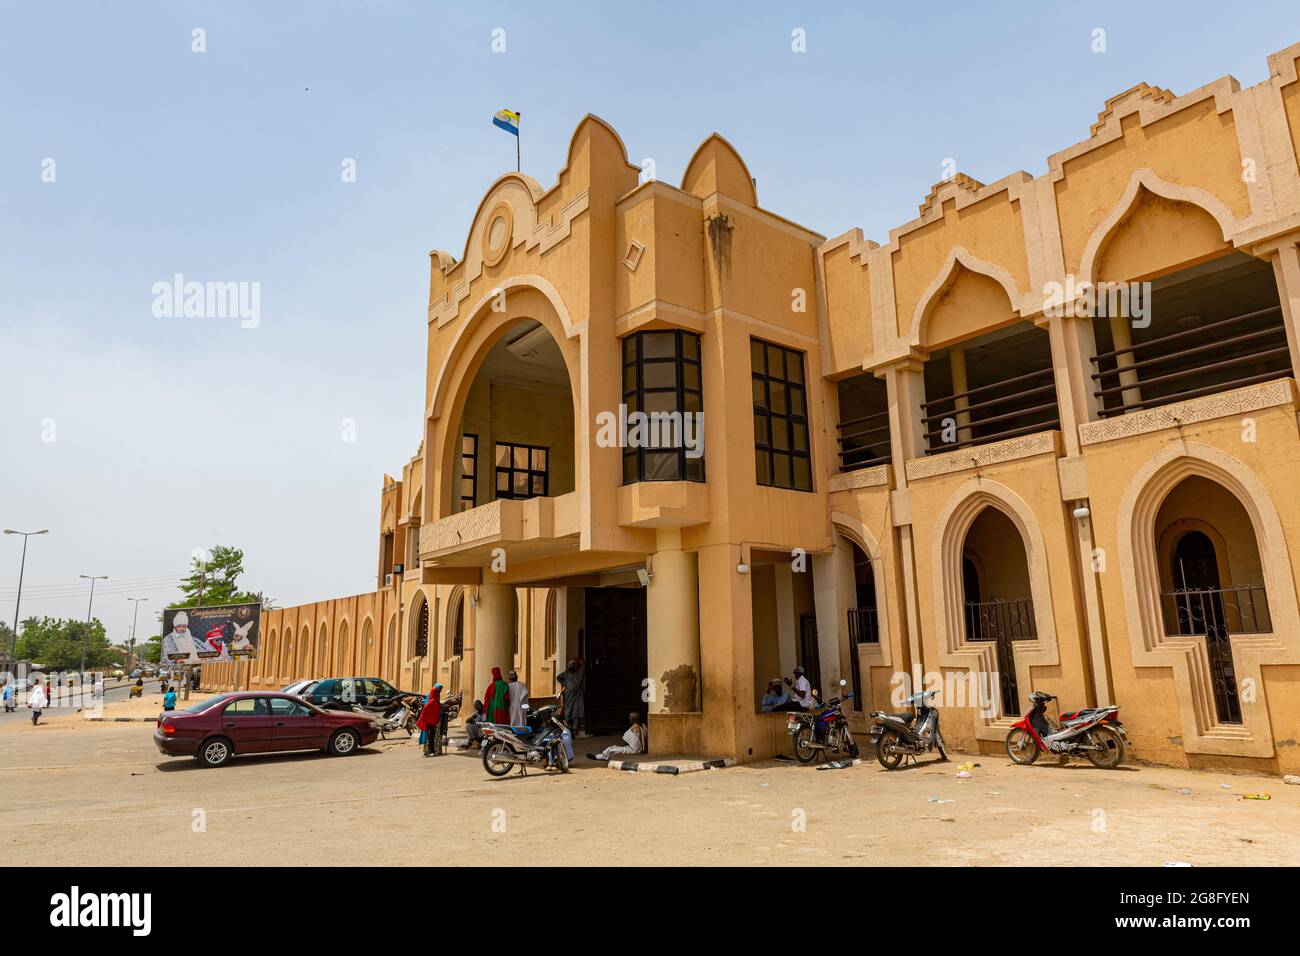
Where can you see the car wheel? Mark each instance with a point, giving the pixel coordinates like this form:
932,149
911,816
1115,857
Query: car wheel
344,742
215,751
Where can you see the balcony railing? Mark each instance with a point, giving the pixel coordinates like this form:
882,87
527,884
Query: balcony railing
990,413
1153,367
862,440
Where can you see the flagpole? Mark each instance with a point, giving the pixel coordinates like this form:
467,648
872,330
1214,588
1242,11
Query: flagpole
518,132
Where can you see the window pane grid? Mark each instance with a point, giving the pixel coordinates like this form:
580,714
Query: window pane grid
662,373
782,453
469,471
522,471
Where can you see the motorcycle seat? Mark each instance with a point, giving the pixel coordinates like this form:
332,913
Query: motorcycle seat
1087,713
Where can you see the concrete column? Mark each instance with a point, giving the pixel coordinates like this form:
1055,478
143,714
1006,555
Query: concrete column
673,627
1286,270
832,617
957,365
1121,335
494,633
787,635
906,389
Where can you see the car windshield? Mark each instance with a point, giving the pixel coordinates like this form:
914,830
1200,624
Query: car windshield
205,704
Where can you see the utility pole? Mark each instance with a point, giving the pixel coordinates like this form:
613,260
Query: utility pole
21,568
85,640
203,578
130,653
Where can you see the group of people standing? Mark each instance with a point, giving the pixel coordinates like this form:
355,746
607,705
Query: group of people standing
504,702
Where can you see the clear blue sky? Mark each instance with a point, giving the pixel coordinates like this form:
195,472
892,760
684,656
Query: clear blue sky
173,434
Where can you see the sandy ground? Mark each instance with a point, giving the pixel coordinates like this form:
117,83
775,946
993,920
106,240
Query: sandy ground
102,794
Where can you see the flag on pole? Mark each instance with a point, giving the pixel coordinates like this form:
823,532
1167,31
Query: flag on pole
507,120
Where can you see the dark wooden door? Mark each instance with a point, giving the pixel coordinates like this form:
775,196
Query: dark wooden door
616,657
809,655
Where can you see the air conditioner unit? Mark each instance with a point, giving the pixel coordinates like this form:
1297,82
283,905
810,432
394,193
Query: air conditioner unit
388,580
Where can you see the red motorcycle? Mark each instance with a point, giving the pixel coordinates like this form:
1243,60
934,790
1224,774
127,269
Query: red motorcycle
1094,732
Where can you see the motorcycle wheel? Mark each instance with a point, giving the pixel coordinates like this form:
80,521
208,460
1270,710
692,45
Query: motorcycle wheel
562,759
495,767
1021,747
853,748
886,750
804,752
1111,752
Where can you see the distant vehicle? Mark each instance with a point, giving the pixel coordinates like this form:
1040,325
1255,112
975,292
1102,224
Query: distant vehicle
297,688
137,674
221,727
343,692
119,673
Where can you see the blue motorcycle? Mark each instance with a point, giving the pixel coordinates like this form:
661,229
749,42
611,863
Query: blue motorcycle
822,730
539,743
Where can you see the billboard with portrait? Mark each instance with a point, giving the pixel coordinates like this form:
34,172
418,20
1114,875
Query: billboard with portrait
207,635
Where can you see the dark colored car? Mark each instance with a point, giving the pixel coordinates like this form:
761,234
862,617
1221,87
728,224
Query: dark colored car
254,722
343,692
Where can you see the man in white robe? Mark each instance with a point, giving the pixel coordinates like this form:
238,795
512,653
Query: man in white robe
518,698
180,641
634,741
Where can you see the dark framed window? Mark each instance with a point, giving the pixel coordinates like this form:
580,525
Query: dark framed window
521,470
468,471
782,456
661,373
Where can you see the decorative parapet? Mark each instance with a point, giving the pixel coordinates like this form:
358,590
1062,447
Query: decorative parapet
460,530
875,477
1013,449
1241,401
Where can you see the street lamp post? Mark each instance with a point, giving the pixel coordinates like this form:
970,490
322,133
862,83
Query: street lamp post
21,567
92,578
130,654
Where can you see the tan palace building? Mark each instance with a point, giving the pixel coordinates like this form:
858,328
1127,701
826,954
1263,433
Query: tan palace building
1042,437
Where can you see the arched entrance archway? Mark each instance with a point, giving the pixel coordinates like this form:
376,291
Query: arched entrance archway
1211,579
996,596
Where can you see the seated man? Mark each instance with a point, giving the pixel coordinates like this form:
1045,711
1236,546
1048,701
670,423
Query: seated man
634,741
776,697
800,690
474,728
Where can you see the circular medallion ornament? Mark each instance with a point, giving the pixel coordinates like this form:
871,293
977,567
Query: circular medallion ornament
497,233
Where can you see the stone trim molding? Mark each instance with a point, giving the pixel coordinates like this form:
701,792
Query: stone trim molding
955,650
1186,656
1012,449
526,232
1241,401
1147,179
875,477
948,272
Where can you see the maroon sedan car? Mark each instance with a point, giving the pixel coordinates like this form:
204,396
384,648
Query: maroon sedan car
255,722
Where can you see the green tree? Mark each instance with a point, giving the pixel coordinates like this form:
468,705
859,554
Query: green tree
218,580
57,643
151,650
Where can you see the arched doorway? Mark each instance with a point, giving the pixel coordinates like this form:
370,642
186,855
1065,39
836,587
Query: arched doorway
864,625
996,597
1211,579
422,630
366,651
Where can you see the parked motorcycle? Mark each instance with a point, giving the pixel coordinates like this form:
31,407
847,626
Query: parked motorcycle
821,730
1094,732
539,744
909,734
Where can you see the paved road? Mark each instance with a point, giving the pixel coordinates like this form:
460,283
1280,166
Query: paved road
93,786
113,691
